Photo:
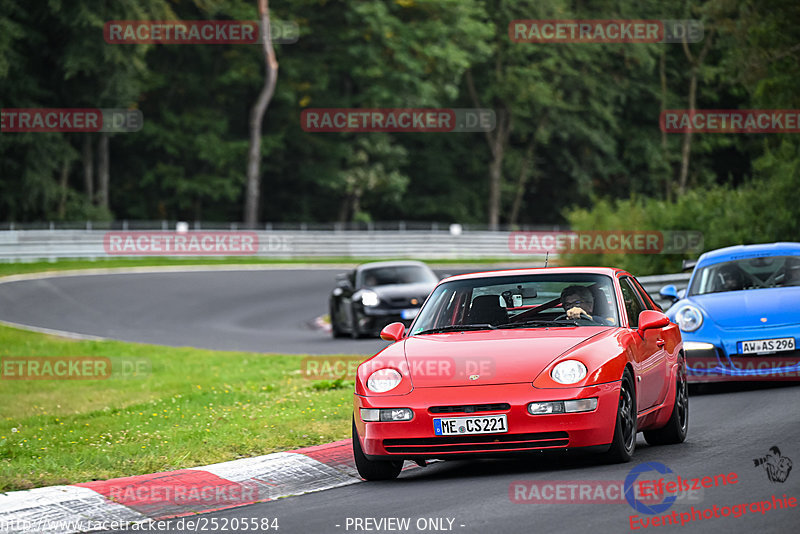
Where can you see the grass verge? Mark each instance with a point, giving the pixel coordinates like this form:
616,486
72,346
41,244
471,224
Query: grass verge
189,407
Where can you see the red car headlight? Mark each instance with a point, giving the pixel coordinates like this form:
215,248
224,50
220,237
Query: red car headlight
383,380
567,406
386,414
568,372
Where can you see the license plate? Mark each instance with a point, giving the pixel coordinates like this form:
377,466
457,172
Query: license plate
409,314
454,426
767,345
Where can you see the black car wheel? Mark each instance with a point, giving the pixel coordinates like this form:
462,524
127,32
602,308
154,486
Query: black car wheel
335,330
624,442
678,425
355,331
373,469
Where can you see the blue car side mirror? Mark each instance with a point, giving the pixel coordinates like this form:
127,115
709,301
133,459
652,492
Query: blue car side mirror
670,292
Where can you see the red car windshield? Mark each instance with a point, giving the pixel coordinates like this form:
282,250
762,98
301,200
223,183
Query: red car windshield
518,301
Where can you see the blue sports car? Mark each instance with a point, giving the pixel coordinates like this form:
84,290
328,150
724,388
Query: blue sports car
740,315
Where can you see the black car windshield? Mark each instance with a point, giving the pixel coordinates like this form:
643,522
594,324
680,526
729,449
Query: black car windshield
748,273
518,301
399,274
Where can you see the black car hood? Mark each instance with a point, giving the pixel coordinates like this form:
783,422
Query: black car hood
419,291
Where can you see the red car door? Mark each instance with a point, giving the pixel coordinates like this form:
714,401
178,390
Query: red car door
650,358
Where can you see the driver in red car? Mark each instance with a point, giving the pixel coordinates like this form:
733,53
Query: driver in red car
578,301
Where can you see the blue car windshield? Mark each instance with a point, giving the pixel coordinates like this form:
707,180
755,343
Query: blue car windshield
748,273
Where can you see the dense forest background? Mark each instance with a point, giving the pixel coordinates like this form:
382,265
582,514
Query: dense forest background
577,141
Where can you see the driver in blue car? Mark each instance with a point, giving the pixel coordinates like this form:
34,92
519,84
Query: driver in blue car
730,278
578,301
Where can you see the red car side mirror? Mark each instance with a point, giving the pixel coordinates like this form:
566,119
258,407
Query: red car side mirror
393,332
650,319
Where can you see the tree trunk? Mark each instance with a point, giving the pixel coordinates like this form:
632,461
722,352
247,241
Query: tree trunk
88,167
662,70
62,184
253,193
497,141
495,177
343,209
524,174
686,148
103,176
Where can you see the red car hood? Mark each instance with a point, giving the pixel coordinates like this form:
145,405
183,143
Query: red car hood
494,356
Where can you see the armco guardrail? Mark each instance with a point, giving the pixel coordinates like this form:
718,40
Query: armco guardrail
29,245
653,284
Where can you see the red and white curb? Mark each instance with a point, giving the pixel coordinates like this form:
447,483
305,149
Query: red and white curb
86,507
321,324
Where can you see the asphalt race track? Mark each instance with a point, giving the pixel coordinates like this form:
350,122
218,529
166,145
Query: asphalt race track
729,428
263,311
270,311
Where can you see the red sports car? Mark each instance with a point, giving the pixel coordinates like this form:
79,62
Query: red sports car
522,360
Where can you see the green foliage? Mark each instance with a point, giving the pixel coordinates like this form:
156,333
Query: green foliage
761,211
339,383
584,117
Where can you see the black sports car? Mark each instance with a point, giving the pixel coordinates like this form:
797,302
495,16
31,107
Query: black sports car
376,294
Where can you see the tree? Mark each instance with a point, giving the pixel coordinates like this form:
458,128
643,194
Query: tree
257,116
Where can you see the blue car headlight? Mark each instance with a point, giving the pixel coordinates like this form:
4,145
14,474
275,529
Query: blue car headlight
689,318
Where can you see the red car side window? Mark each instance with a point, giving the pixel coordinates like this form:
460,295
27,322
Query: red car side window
644,296
633,305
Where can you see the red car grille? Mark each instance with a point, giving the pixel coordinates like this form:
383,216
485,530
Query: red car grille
477,443
470,408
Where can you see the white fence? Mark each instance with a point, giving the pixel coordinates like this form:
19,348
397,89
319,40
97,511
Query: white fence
29,245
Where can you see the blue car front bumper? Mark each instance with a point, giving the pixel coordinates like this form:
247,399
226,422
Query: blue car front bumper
718,355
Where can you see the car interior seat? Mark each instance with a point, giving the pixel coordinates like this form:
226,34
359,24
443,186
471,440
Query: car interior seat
730,272
487,309
601,307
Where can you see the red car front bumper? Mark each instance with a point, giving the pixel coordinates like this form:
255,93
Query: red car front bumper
526,432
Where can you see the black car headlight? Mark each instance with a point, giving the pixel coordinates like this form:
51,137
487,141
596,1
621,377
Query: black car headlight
369,298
